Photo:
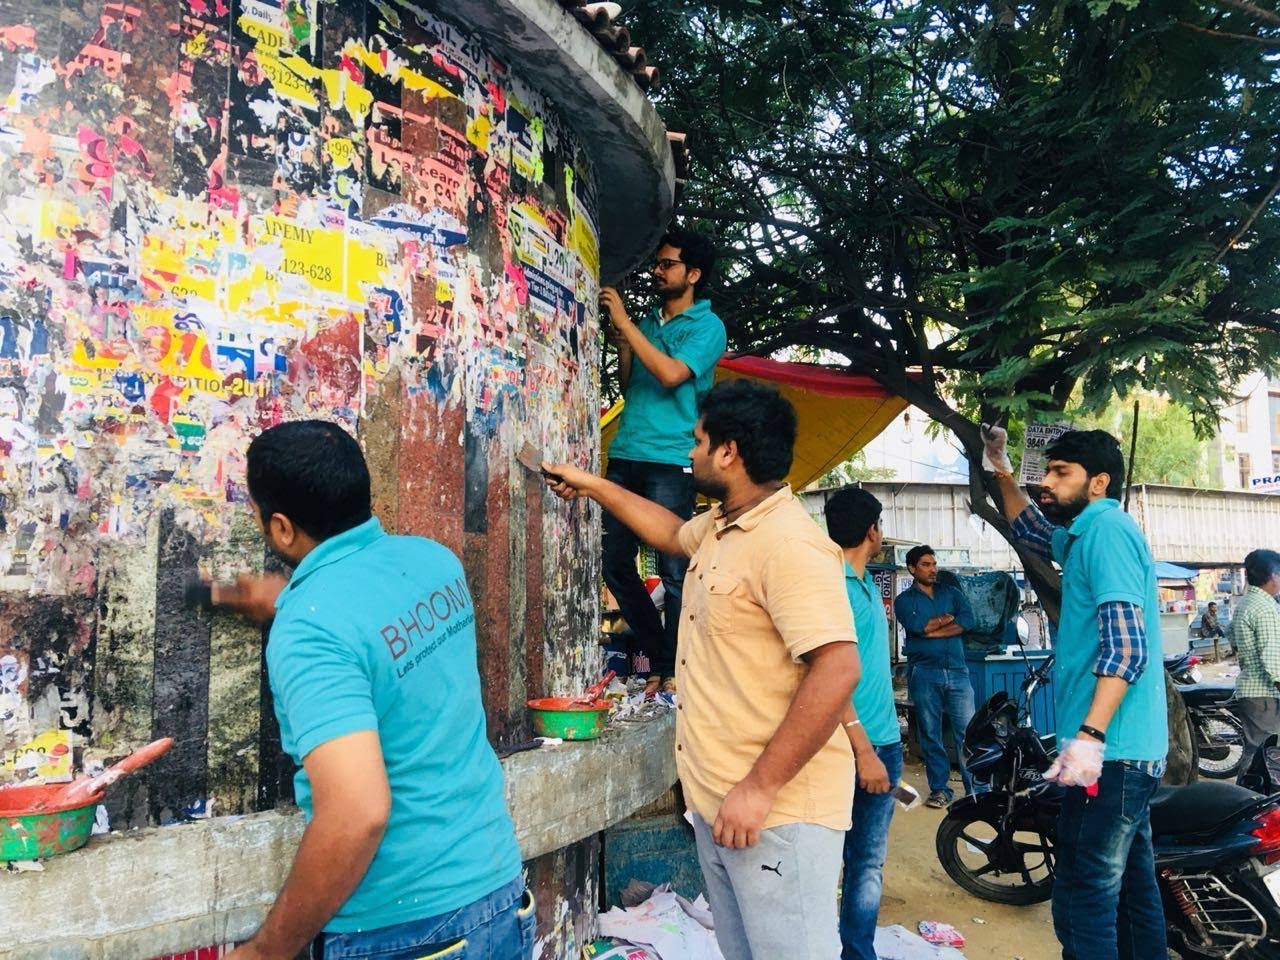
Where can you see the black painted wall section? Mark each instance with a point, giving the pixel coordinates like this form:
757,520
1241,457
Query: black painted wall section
181,675
275,767
476,487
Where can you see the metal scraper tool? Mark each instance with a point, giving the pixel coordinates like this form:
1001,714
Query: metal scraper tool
531,459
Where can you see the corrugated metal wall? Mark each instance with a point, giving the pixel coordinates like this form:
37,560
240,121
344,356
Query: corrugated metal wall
1187,525
1182,524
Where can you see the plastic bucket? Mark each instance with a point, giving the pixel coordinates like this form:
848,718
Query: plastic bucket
561,717
27,833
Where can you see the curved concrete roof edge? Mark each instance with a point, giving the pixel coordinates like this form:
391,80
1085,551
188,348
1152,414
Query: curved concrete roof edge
634,171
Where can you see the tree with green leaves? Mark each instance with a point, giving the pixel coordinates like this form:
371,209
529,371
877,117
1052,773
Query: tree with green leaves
1168,449
989,207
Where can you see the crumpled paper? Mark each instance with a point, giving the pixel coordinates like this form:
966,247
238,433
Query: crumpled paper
899,943
668,924
630,704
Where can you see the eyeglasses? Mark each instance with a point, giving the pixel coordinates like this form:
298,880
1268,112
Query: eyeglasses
665,264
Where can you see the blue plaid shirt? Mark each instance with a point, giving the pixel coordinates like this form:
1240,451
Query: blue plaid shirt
1122,632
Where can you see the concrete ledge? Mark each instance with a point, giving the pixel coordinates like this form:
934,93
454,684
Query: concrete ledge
170,889
634,172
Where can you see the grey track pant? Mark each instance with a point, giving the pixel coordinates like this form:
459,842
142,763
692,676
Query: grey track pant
777,899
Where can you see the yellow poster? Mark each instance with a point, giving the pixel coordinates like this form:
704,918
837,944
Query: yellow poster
46,758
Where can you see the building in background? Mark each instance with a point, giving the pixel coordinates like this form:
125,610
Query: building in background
1248,441
913,449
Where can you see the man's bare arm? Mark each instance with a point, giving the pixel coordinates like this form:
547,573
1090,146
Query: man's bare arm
624,365
873,776
253,596
351,801
667,370
651,522
1107,694
820,701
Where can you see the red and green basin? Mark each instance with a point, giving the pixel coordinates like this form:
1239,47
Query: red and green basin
562,717
28,832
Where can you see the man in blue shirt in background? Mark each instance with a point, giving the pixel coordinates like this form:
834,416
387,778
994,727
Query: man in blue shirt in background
935,617
1109,700
853,522
667,364
408,850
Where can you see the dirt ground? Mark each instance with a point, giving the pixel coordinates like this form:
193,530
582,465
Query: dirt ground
916,888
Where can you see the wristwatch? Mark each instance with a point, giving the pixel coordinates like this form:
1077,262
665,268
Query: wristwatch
1093,732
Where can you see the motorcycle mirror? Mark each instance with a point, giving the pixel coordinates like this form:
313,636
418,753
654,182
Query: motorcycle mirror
1024,632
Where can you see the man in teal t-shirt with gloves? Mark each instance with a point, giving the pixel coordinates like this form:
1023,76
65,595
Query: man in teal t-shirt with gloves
667,364
853,522
409,850
1108,694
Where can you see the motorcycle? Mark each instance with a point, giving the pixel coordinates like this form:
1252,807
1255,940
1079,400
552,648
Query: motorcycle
1217,845
1215,729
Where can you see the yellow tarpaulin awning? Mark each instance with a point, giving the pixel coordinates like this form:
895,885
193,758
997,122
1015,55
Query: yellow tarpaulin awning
838,413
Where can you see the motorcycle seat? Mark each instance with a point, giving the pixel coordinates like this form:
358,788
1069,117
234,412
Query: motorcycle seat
1198,811
1202,693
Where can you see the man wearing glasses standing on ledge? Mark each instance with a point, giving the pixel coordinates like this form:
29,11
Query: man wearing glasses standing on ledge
666,364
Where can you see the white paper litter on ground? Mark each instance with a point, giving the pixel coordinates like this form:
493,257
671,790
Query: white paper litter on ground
666,925
899,943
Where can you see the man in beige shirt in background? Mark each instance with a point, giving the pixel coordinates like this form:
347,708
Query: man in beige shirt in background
768,662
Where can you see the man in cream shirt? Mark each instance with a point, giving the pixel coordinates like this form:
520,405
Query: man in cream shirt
767,664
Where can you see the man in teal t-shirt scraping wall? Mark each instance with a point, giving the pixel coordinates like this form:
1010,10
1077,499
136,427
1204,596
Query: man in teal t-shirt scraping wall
409,850
667,364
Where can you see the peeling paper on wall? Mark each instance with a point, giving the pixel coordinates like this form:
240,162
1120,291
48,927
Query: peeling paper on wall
380,206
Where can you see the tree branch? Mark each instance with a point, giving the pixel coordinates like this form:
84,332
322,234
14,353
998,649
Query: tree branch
1255,11
1248,222
1265,41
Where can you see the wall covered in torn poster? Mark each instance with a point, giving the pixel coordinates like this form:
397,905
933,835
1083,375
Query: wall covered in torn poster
215,218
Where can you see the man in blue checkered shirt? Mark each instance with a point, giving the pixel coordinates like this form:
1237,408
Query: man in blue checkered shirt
1112,727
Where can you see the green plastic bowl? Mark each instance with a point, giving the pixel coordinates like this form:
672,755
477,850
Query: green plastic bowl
27,832
562,717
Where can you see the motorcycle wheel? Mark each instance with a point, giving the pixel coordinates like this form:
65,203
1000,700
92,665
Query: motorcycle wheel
1220,746
970,854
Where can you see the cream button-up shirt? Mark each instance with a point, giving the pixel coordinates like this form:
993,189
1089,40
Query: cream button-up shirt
760,593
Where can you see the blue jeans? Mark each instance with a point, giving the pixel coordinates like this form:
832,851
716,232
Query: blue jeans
671,487
864,850
936,692
499,926
1106,904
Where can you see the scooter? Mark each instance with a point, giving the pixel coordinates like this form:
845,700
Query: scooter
1217,845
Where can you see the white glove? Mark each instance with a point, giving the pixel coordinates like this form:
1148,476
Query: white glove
995,456
1079,763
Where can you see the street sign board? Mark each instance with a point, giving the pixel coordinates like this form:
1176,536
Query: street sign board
1039,436
1268,483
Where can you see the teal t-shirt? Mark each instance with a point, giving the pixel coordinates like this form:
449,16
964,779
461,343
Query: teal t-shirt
1104,558
873,697
376,632
657,423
